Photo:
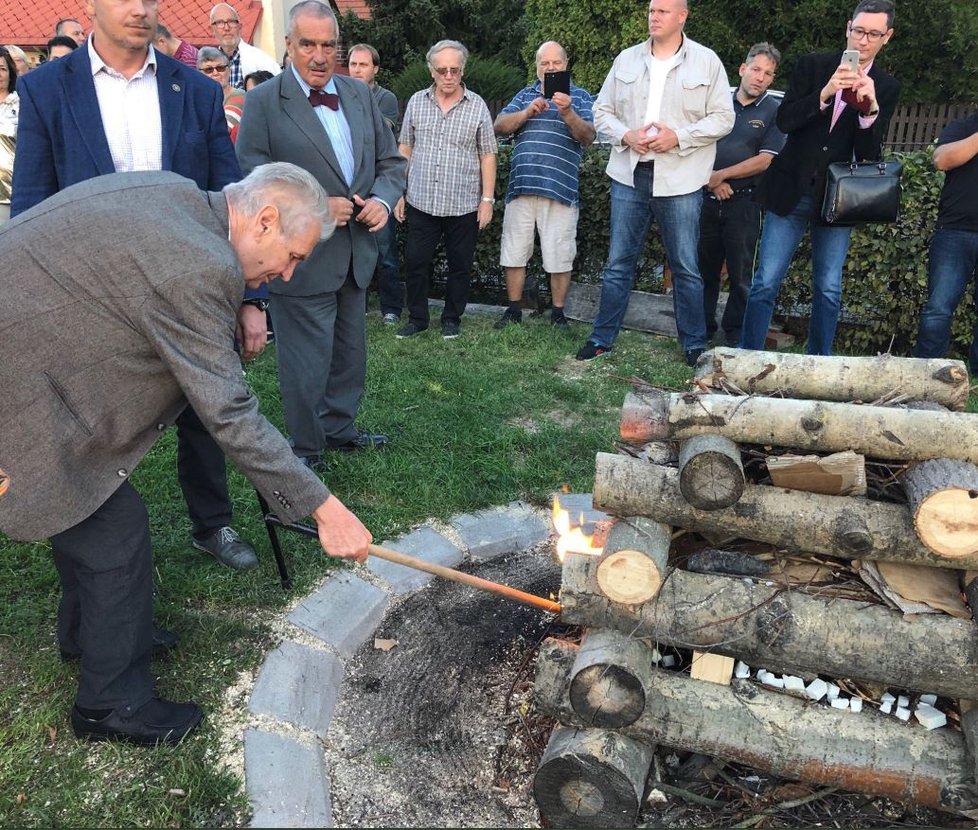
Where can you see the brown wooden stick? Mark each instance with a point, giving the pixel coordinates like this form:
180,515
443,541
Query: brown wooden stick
399,558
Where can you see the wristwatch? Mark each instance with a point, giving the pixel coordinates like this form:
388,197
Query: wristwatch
489,199
258,302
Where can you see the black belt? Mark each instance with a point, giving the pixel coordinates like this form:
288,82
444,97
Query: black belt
744,191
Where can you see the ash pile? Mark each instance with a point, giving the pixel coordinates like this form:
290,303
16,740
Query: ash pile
788,583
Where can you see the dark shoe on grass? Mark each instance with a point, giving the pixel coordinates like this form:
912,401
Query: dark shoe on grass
155,722
692,355
591,350
229,549
362,441
409,330
510,317
449,330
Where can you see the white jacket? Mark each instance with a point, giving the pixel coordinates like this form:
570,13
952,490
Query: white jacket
696,103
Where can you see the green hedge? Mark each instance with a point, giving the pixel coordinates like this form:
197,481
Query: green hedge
884,280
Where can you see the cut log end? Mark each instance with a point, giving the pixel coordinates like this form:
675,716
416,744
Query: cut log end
591,778
607,696
943,498
629,576
711,476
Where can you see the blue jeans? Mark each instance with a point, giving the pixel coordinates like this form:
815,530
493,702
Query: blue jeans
779,240
953,257
632,212
389,284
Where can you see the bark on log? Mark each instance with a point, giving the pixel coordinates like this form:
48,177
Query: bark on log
969,728
971,592
874,431
791,519
942,495
633,564
609,679
591,778
788,631
836,378
779,734
711,475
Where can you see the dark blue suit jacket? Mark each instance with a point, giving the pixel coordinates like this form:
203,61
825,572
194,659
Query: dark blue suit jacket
61,141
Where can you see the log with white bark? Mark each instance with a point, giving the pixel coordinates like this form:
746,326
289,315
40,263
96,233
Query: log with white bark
836,378
591,778
609,679
633,563
874,431
791,519
787,630
863,752
942,495
711,475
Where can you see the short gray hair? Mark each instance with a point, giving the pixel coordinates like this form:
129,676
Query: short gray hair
210,53
766,49
297,195
442,45
314,8
563,51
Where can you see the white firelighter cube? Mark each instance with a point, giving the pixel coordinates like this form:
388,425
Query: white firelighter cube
886,707
856,704
840,703
886,697
928,700
741,669
773,681
929,717
903,714
794,684
903,702
816,689
832,692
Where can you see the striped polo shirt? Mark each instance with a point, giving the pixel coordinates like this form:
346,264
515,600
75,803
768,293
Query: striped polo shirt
546,160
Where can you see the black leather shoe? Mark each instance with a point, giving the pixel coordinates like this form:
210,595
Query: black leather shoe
229,549
693,355
317,465
363,441
163,643
156,722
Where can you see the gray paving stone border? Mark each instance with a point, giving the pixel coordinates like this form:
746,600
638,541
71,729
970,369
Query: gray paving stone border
301,680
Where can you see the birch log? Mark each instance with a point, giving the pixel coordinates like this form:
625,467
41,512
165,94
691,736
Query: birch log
591,778
942,495
790,519
789,631
609,678
836,378
874,431
633,564
779,734
711,475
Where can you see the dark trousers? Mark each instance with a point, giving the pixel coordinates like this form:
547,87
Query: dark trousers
202,474
106,612
424,232
388,272
728,232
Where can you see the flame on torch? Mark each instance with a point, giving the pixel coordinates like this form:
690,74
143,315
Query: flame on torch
571,538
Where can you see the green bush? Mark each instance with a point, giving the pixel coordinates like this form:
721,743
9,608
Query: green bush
488,77
884,282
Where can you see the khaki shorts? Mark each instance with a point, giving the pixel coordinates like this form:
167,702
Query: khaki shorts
557,224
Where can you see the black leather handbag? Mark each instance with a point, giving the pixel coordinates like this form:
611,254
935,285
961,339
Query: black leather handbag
859,193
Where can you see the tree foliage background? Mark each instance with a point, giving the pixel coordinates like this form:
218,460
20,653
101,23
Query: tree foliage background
932,52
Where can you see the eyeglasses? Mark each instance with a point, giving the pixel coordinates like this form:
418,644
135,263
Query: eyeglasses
214,70
225,24
448,70
858,32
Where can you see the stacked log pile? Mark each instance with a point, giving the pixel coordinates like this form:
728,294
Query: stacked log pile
613,698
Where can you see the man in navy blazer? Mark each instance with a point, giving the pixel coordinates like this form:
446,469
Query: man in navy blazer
117,105
829,113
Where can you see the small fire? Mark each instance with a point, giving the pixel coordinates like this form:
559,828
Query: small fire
571,539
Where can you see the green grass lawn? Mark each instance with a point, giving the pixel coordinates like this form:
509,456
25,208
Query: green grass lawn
477,421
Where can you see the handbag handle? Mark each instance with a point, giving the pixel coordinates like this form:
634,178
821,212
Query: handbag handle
880,165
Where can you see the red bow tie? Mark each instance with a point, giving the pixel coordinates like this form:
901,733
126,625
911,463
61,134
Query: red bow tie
318,98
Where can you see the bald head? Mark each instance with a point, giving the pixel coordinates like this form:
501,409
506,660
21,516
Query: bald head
551,57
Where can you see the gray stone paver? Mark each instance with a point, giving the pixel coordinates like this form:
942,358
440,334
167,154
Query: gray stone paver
287,782
489,534
425,543
343,613
299,685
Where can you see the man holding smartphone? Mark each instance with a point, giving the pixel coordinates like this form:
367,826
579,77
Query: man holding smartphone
550,131
837,107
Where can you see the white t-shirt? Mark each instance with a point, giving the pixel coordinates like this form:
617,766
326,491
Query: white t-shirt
657,85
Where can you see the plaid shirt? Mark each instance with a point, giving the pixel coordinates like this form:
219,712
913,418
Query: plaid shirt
445,174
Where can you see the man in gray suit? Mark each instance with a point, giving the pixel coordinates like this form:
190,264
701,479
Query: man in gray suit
331,126
158,268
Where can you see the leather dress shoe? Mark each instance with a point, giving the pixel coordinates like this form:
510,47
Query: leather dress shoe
163,643
156,722
229,549
362,441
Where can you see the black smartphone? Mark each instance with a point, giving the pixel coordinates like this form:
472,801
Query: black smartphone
556,82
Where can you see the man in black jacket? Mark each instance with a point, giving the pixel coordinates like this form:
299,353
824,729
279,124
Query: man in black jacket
829,113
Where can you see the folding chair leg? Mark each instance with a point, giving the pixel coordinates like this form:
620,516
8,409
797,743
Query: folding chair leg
271,521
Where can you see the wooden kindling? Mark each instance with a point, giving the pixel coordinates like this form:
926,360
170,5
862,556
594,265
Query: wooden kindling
875,431
836,378
711,475
591,778
609,678
807,522
942,495
787,630
785,736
